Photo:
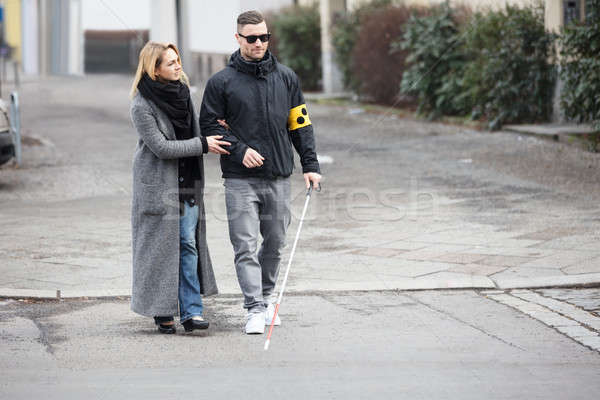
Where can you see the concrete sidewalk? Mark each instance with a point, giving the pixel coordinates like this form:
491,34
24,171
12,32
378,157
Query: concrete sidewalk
406,205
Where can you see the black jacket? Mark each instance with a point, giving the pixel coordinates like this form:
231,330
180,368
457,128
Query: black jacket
264,107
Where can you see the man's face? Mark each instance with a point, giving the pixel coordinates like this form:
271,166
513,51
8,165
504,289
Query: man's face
252,51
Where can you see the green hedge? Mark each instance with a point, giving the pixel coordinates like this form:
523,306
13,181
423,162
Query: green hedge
297,42
363,41
580,69
496,66
345,29
510,76
378,69
436,62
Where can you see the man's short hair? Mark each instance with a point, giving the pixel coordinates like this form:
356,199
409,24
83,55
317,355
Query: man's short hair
249,18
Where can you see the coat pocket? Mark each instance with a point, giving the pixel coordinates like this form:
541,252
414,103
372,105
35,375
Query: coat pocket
151,200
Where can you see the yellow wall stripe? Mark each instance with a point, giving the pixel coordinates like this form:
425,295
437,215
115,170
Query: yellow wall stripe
12,19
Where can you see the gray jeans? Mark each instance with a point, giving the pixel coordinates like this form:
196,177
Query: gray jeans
257,205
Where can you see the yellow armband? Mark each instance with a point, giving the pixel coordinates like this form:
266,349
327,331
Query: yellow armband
298,118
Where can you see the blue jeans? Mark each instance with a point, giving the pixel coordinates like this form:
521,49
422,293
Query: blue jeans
190,299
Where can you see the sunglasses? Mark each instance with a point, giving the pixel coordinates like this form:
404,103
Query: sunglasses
252,38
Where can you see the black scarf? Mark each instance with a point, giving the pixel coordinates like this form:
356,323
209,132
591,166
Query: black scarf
173,99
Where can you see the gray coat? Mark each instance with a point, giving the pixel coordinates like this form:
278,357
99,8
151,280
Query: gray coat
155,212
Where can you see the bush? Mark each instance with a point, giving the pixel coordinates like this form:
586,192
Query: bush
297,36
344,32
270,18
496,66
510,76
436,60
580,69
375,66
343,37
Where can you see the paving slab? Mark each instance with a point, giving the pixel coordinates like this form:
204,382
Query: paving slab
579,325
511,273
577,332
592,342
526,252
587,299
547,281
586,266
562,259
401,208
476,269
565,309
504,260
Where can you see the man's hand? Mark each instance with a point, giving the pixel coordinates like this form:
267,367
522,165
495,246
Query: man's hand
214,144
224,124
312,177
252,159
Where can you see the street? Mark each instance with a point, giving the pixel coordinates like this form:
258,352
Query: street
429,267
419,345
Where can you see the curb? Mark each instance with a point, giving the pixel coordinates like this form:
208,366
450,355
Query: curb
9,293
408,284
550,131
592,279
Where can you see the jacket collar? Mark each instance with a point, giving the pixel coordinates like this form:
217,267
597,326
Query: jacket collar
258,69
163,122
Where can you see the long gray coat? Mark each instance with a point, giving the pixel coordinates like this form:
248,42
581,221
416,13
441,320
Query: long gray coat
155,212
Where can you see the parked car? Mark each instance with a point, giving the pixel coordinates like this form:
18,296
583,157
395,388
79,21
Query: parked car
7,146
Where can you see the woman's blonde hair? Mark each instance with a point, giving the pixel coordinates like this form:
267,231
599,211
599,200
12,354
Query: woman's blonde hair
151,56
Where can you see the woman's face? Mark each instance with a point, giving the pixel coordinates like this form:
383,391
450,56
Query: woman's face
169,68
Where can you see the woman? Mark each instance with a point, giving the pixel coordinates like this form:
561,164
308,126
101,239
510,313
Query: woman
171,262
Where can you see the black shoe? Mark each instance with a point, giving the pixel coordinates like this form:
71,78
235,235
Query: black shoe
195,323
164,326
167,329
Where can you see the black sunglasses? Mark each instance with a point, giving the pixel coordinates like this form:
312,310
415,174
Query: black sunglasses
252,38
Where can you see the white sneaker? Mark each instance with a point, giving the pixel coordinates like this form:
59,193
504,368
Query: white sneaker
255,323
269,315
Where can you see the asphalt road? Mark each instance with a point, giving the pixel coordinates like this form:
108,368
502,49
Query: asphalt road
418,345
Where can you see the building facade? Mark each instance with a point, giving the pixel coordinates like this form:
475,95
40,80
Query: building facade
48,39
78,36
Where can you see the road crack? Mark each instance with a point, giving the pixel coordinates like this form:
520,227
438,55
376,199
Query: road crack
457,319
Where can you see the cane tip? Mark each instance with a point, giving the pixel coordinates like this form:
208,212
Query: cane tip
267,344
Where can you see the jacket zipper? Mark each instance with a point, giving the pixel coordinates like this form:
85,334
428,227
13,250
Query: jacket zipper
267,117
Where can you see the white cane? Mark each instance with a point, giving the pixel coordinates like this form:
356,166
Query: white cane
287,270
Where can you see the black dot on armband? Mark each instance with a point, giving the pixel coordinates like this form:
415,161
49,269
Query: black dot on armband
300,120
304,112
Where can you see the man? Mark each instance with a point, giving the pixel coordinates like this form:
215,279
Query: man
261,101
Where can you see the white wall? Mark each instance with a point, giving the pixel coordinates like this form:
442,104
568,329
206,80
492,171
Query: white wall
30,29
213,23
75,60
163,21
115,14
264,5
